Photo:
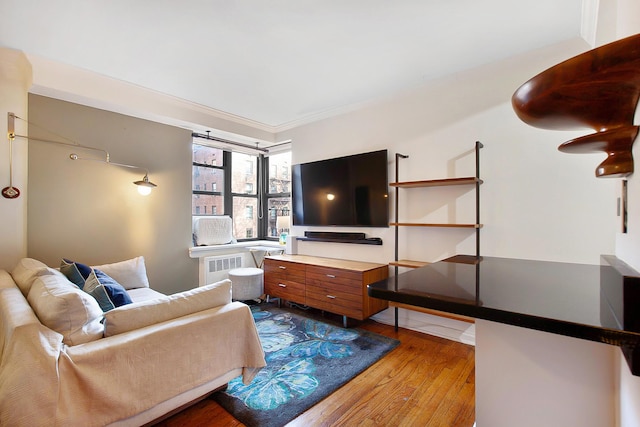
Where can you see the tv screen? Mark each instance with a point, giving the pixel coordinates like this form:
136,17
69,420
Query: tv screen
344,191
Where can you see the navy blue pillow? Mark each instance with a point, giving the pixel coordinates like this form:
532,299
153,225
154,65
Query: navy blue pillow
109,293
117,293
76,272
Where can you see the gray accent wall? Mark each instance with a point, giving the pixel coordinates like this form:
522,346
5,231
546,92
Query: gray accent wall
90,211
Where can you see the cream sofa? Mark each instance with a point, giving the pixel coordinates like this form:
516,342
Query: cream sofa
64,362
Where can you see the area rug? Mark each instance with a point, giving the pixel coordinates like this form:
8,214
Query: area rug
307,359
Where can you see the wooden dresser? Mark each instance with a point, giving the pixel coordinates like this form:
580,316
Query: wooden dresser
333,285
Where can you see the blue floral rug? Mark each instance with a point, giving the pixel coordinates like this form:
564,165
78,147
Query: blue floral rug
307,359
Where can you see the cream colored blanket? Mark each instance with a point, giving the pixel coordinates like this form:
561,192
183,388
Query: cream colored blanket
45,382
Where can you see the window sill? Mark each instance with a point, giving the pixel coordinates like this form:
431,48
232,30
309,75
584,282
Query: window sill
203,251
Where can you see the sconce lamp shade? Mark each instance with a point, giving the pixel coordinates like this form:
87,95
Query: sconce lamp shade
145,186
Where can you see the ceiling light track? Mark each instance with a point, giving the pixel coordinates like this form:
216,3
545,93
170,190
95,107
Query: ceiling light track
226,141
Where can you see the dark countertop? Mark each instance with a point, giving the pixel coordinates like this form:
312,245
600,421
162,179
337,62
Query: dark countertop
592,302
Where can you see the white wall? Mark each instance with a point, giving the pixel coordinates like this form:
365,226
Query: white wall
15,78
628,250
537,203
628,245
529,378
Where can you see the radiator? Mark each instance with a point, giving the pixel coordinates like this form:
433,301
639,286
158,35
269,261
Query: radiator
216,268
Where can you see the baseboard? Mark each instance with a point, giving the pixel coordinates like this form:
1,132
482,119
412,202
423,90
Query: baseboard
434,312
451,329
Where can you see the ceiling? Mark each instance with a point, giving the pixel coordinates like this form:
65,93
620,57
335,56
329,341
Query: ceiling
283,61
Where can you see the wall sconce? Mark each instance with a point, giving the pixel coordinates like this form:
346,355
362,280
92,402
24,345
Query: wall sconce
144,185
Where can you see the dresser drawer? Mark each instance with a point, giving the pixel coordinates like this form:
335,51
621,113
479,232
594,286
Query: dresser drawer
335,280
284,280
285,289
335,299
283,270
335,290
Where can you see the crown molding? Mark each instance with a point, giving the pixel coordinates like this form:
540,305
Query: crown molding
72,84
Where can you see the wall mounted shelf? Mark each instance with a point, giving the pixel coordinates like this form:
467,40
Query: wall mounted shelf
470,181
422,224
366,241
408,263
437,182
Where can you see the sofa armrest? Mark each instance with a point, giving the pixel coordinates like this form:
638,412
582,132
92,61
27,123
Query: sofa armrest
138,315
131,372
28,361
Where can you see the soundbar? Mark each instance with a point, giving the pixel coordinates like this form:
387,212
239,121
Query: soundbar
335,235
340,237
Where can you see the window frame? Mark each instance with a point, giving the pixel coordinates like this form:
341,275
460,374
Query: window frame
226,173
266,176
262,194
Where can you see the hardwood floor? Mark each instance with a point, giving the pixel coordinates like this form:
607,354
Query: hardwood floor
425,381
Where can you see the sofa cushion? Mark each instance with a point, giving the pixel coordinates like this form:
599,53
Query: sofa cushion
64,308
145,313
131,273
26,271
144,294
109,293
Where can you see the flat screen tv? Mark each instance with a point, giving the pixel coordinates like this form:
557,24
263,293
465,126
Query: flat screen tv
344,191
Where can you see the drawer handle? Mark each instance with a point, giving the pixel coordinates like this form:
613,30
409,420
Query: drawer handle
332,276
282,285
282,267
331,296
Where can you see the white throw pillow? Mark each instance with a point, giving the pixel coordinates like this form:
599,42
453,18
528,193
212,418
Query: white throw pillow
140,314
26,271
63,307
131,274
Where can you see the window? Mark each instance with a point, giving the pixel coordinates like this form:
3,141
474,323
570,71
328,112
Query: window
229,183
279,195
244,197
208,168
